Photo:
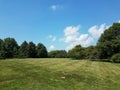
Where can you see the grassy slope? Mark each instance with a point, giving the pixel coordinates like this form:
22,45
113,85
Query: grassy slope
58,74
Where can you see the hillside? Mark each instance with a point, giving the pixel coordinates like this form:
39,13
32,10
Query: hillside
58,74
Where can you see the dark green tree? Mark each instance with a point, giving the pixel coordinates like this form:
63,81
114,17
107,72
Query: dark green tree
116,58
52,54
41,51
2,51
109,42
77,52
10,47
91,52
57,54
23,50
32,52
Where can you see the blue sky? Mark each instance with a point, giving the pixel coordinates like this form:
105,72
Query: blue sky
58,24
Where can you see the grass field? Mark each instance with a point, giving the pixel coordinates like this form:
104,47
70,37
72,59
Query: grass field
58,74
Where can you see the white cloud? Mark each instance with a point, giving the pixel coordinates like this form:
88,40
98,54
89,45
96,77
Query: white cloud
52,47
87,42
83,40
96,31
73,37
52,38
56,7
119,21
71,30
71,33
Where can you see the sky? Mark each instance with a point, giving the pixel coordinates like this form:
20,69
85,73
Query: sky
58,24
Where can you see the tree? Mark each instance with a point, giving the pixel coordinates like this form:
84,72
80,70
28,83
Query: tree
61,54
57,54
91,52
32,52
2,52
109,42
41,51
10,47
23,50
77,52
116,58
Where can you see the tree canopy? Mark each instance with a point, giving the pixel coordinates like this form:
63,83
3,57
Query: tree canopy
109,42
32,52
10,49
57,54
23,50
41,51
2,51
77,52
91,52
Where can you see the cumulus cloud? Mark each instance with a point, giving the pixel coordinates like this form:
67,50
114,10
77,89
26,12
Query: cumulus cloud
73,37
52,38
96,31
56,7
71,33
52,47
86,41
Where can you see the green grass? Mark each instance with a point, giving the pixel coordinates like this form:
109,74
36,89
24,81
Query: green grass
58,74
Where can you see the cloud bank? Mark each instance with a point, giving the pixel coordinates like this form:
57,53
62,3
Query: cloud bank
72,37
96,30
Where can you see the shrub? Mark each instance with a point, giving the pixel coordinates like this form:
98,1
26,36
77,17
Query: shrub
116,58
77,52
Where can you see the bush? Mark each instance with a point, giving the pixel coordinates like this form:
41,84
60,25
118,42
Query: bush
77,52
116,58
57,54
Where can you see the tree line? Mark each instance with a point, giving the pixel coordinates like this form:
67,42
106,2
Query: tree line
9,48
107,48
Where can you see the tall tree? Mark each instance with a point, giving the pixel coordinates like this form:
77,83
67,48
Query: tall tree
2,51
23,50
41,51
32,50
10,47
109,42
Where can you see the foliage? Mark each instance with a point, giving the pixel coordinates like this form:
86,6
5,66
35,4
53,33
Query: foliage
41,51
32,52
57,54
109,42
116,58
23,50
77,52
2,51
91,52
10,47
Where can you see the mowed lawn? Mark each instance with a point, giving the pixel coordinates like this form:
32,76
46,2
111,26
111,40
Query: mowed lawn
58,74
